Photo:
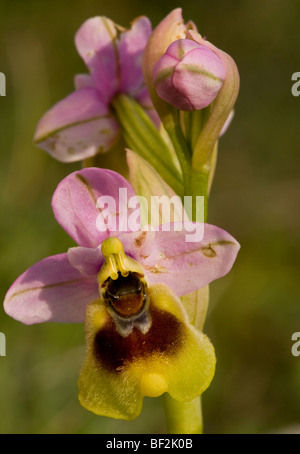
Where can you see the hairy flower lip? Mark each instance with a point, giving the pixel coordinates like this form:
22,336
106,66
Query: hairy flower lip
119,371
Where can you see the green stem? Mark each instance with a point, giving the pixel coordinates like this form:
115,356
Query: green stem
172,125
183,417
196,184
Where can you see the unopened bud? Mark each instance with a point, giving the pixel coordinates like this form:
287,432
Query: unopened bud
189,75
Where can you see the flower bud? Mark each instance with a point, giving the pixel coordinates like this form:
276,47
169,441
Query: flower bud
189,75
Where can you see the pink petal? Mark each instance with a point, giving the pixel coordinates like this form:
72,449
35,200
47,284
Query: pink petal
199,76
172,27
96,44
189,75
182,265
87,261
51,290
138,245
131,48
163,74
84,200
77,127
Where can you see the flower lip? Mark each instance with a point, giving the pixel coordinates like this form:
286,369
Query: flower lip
119,371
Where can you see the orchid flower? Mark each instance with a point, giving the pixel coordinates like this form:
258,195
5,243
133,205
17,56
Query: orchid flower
83,124
125,284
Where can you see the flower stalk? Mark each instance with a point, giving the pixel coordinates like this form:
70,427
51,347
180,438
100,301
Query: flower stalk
183,417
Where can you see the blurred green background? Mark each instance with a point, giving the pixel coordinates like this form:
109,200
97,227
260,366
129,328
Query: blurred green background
254,310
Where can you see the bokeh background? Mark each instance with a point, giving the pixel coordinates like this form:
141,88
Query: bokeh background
254,310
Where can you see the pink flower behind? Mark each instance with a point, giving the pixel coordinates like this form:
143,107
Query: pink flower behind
82,124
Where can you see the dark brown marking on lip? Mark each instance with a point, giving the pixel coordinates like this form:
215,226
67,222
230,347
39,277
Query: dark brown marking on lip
114,352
